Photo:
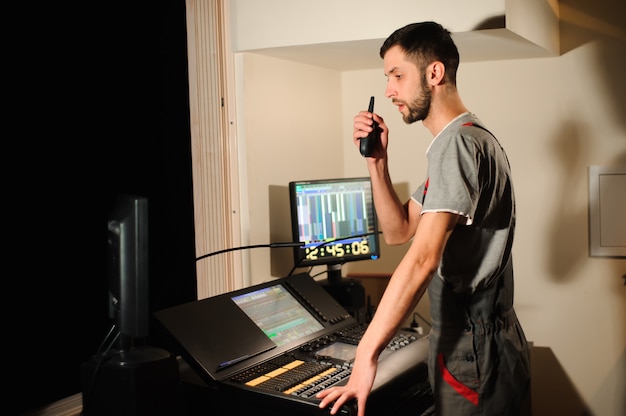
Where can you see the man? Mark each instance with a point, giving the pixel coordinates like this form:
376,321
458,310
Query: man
460,222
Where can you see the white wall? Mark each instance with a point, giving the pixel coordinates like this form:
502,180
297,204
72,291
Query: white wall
292,125
554,116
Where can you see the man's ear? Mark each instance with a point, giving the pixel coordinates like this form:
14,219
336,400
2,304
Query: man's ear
436,73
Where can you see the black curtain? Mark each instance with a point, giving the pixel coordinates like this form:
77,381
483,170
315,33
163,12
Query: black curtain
108,114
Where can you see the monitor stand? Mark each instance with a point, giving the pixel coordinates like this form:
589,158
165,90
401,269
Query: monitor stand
141,381
350,293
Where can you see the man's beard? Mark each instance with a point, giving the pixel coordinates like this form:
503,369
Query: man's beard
420,106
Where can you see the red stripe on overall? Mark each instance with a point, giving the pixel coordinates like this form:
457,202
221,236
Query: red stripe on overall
460,388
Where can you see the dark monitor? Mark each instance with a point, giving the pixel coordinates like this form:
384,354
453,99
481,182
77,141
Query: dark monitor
336,221
128,268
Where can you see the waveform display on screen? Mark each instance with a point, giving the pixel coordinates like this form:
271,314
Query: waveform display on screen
327,212
278,314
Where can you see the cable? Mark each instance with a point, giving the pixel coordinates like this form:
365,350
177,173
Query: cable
101,358
334,240
415,326
320,273
422,318
285,244
99,350
327,242
292,269
271,245
295,267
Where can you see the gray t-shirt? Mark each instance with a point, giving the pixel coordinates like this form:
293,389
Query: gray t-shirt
469,174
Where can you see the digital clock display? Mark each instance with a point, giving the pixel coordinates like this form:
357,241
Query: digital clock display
335,219
337,249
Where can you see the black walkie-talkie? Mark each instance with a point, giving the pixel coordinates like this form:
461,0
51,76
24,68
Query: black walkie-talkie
369,143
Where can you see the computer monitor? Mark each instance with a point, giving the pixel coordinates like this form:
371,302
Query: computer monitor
336,221
128,268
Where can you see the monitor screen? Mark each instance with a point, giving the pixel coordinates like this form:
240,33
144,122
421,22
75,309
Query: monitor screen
335,219
278,314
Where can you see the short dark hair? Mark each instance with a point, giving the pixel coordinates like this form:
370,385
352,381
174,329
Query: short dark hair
424,43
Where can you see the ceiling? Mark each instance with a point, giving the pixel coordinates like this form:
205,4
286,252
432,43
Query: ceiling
477,45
